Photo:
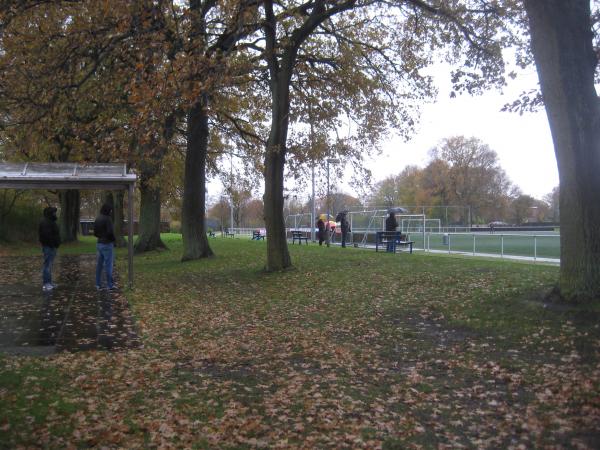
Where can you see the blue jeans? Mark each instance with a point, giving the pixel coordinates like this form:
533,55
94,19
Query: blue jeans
104,260
49,255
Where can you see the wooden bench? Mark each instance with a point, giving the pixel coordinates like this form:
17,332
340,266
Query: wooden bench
299,236
257,236
226,233
392,239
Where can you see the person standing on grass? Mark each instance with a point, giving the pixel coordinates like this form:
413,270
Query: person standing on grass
49,237
390,225
321,230
345,226
104,231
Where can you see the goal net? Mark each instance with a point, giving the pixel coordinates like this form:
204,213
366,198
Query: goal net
417,223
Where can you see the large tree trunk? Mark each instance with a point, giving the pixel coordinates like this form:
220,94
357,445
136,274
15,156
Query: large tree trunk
149,229
115,200
119,218
278,256
193,228
561,39
68,221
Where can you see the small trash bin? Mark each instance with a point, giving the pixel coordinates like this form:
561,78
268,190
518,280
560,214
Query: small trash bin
445,239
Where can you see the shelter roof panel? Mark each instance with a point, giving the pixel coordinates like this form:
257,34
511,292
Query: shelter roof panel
65,175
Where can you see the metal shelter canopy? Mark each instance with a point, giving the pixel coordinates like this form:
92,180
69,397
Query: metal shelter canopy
65,176
34,175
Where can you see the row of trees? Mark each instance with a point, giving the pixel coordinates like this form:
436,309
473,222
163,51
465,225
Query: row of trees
170,86
158,84
463,173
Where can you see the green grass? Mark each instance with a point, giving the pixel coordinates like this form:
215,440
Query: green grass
350,348
31,393
510,244
85,244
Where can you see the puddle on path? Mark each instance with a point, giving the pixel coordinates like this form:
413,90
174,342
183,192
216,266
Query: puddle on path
72,317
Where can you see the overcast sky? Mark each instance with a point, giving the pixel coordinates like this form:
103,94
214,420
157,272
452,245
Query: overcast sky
523,142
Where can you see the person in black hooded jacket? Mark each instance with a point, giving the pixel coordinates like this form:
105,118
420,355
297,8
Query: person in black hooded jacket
103,230
344,225
49,237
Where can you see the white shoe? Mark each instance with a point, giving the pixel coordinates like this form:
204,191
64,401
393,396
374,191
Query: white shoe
47,287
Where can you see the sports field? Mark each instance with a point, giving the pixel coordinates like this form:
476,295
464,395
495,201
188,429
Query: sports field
539,245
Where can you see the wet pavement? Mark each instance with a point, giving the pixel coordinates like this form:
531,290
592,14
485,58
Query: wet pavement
72,317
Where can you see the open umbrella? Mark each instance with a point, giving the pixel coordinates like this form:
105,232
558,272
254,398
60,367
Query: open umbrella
398,210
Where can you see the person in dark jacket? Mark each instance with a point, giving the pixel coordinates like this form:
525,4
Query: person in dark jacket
321,230
390,225
50,239
345,226
104,231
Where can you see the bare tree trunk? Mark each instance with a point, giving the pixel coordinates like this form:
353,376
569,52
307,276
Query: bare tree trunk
193,228
119,218
115,200
278,256
149,230
68,221
562,45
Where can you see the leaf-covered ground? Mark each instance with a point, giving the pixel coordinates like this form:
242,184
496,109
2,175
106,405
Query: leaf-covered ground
350,349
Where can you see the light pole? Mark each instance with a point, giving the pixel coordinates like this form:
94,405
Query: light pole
231,191
327,227
231,214
314,217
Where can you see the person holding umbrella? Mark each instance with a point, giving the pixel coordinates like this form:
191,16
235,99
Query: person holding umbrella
390,225
321,229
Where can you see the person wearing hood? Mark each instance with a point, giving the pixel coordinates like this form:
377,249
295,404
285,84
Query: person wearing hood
390,225
104,231
321,229
344,225
49,237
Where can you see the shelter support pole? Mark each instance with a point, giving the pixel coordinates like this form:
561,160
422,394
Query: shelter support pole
130,236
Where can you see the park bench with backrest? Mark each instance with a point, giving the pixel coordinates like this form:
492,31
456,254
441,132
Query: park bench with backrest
227,233
257,235
299,236
391,240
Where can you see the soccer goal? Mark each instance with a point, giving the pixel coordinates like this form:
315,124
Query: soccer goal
417,223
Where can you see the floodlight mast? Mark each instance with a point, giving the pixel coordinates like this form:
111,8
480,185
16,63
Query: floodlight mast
327,226
231,191
313,218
